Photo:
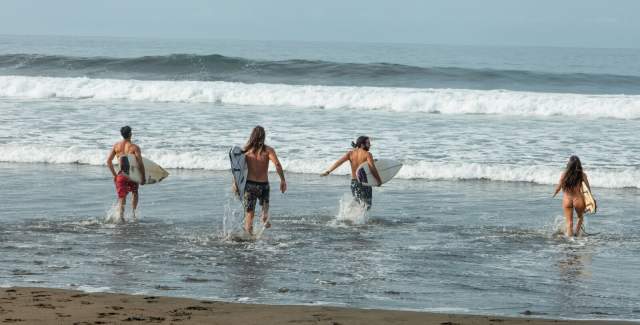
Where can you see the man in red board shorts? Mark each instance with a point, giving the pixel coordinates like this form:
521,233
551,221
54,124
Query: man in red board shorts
123,184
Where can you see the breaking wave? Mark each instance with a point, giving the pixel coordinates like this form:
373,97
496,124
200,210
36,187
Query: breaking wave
216,67
445,101
619,177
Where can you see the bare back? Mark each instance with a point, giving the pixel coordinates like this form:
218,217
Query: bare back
356,158
124,147
258,165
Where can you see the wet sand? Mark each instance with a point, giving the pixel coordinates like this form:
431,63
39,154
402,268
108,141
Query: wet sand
57,306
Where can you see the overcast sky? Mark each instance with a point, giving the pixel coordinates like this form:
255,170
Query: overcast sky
582,23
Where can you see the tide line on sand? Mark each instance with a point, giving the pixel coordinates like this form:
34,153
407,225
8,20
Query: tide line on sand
58,306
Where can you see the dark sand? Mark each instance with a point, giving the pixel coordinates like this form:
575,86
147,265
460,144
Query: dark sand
56,306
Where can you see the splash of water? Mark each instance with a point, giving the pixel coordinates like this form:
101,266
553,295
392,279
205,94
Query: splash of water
350,211
557,228
112,215
233,219
233,223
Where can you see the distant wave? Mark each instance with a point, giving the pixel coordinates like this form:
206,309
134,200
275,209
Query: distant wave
445,101
619,177
307,72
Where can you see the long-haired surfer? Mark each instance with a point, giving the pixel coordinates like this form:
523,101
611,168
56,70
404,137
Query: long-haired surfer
258,155
122,182
356,156
571,183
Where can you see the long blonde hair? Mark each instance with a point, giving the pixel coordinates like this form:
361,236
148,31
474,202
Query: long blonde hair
256,140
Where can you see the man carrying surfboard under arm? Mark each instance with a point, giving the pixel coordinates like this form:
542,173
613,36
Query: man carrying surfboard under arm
123,184
358,155
258,155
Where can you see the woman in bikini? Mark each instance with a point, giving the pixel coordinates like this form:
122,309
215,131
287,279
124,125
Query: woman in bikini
571,184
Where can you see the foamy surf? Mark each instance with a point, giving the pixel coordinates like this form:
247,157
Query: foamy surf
389,99
619,177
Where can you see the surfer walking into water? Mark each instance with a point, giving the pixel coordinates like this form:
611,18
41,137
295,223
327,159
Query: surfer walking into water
123,184
356,156
571,185
257,156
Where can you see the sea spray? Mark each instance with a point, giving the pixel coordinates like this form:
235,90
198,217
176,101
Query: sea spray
351,212
233,218
112,214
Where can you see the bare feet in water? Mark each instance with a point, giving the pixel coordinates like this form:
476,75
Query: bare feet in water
265,221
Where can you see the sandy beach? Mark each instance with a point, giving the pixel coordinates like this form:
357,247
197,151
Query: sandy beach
57,306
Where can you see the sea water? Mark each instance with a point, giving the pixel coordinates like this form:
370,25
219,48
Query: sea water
468,225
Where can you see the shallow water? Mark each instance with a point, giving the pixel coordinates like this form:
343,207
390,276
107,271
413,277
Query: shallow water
475,246
431,146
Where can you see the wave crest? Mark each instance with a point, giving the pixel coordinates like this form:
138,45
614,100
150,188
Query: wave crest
311,72
445,101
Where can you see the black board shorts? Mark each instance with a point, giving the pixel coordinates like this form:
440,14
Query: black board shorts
254,192
362,193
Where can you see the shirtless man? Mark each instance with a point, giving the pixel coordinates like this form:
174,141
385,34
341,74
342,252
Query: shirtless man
123,184
358,155
258,155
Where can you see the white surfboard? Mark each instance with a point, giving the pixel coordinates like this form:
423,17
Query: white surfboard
153,172
387,169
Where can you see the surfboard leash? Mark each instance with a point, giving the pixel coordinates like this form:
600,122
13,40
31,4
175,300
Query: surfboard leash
585,232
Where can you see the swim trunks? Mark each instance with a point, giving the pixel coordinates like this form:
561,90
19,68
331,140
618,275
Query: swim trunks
362,193
124,185
256,191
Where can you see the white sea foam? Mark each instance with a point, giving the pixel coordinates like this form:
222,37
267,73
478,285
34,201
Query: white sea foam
112,215
232,220
619,177
351,211
446,101
91,289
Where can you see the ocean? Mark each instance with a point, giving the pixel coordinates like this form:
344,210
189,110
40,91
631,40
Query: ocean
467,226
